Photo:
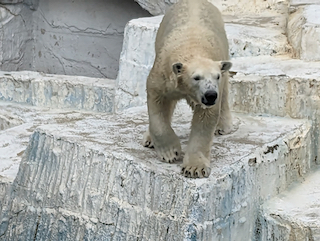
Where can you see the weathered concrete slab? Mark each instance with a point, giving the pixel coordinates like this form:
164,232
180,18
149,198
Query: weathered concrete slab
303,31
87,176
278,86
295,213
57,91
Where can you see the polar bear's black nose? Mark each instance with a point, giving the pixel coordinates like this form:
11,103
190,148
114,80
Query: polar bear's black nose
209,97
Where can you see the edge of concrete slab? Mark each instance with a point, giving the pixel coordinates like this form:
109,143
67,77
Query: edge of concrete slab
58,91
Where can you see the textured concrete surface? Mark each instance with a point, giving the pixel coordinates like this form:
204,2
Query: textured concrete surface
58,91
278,86
303,31
15,37
295,213
81,176
48,36
232,7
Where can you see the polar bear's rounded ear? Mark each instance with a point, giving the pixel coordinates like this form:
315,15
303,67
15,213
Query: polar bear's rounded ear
225,66
177,68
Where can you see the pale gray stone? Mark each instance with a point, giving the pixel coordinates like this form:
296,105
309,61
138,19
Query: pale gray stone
88,176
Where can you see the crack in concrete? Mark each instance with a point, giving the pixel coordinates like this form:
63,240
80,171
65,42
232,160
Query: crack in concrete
13,14
55,56
127,92
87,63
74,29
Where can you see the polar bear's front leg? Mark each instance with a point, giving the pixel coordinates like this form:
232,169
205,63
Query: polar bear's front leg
196,162
160,134
225,120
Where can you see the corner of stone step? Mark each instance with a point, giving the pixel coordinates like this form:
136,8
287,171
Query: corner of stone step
303,30
294,214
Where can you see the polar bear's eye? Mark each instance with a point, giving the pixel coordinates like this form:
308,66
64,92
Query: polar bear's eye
197,78
218,77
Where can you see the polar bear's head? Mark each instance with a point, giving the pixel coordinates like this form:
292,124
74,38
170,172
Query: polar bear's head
200,79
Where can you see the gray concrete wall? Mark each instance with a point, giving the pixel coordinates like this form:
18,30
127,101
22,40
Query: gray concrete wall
65,36
15,36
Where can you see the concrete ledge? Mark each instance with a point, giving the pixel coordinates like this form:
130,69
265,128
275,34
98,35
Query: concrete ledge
278,86
304,32
57,91
89,177
294,214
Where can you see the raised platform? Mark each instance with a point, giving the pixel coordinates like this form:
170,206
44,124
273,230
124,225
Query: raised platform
57,91
295,213
86,175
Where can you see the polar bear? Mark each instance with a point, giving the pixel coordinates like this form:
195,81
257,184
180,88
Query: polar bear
191,63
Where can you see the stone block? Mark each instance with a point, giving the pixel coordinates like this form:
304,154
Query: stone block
278,86
91,178
56,91
294,214
303,32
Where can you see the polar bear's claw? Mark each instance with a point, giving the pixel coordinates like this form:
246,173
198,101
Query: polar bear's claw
146,141
195,165
195,172
169,155
224,128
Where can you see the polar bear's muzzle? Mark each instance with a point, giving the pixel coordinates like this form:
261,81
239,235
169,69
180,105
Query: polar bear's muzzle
209,98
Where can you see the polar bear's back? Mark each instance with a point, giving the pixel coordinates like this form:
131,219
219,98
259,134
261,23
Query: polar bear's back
189,18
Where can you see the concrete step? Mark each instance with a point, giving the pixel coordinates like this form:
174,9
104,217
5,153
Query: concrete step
87,176
304,29
278,86
295,213
57,91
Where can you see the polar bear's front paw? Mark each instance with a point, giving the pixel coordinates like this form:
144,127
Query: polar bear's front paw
146,141
223,129
168,150
196,166
222,132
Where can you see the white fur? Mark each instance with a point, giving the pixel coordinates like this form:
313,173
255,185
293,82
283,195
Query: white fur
191,53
